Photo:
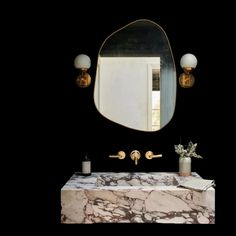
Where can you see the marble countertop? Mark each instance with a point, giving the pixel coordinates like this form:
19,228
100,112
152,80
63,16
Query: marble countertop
124,180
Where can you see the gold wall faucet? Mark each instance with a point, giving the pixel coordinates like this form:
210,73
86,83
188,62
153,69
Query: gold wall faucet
149,155
120,155
135,156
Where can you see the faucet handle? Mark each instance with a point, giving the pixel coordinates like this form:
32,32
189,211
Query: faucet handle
120,155
135,155
149,155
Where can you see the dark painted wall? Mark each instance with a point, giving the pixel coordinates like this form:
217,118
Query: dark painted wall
74,124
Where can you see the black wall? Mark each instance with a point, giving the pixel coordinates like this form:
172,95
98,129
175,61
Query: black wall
73,123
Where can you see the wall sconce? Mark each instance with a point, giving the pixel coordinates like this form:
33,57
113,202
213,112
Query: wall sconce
83,63
188,62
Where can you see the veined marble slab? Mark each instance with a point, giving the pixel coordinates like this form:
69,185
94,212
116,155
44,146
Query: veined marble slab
153,197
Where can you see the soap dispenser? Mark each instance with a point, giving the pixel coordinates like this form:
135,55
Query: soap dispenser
86,165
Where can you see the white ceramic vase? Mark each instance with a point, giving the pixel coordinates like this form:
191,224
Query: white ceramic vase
185,166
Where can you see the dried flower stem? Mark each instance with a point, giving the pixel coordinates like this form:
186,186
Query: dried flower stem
189,152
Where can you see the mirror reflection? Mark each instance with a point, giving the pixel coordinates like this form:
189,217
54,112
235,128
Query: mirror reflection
135,83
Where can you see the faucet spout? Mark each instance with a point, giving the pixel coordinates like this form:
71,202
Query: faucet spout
135,156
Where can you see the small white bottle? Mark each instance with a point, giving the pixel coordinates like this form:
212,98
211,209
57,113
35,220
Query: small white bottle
86,165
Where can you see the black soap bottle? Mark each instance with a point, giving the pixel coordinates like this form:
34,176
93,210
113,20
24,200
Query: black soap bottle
86,165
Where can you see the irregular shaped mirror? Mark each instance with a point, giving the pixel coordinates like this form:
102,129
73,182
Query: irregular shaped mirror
135,82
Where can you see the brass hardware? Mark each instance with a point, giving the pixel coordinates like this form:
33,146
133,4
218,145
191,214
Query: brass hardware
120,155
149,155
135,155
84,79
186,79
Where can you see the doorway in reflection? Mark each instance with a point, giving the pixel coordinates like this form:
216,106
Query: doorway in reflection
156,102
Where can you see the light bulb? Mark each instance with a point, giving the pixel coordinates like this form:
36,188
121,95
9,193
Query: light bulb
188,60
82,61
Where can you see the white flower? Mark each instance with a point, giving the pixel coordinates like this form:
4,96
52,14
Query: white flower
190,151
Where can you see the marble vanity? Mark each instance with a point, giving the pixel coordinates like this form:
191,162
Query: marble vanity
153,197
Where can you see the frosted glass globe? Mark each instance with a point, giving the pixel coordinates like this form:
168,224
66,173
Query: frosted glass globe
82,61
188,60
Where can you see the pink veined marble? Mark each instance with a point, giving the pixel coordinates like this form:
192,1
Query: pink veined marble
153,197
